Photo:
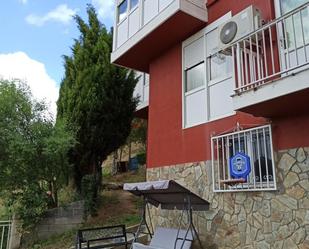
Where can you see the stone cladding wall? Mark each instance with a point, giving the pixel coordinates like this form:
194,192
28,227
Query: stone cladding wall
246,220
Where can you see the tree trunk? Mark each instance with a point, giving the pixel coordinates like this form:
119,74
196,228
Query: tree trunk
120,156
99,174
55,193
130,147
114,169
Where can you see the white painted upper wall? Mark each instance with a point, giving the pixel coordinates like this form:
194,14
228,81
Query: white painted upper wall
132,16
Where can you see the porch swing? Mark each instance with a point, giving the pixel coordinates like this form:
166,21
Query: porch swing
169,195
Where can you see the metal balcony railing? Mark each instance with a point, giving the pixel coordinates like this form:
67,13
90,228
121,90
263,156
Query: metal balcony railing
276,50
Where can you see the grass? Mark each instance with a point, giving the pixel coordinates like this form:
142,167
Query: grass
128,177
65,240
107,198
127,219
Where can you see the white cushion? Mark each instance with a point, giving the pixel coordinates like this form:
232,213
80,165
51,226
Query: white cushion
165,238
141,246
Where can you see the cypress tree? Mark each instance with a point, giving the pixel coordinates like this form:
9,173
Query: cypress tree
96,98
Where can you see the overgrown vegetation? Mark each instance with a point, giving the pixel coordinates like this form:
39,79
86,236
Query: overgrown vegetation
33,153
108,211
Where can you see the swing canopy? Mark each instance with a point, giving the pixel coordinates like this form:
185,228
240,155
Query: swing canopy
168,194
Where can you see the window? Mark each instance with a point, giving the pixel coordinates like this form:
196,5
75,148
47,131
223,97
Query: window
195,77
122,10
194,83
256,143
133,4
296,25
220,66
207,80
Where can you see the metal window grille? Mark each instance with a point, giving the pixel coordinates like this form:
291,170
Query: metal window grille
256,143
5,234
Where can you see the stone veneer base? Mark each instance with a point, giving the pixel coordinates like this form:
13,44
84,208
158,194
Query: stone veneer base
246,220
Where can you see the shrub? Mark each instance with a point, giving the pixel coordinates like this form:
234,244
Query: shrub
89,194
30,206
141,158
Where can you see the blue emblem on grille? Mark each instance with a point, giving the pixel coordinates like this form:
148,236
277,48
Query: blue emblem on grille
240,165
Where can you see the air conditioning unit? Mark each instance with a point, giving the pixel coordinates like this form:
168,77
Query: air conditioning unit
239,26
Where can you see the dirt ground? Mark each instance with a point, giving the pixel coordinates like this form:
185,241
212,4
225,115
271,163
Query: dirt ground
116,203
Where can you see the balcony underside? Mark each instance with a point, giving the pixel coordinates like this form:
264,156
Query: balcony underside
137,52
142,112
281,98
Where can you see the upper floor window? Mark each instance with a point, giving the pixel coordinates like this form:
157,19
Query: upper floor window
296,26
133,4
122,10
207,79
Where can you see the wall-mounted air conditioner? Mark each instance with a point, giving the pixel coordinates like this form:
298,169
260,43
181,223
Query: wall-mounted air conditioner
239,26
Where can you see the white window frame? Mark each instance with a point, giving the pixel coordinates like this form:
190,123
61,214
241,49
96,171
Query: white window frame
202,34
117,12
135,7
220,156
128,11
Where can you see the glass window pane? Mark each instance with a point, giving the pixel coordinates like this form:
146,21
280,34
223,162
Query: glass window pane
220,66
122,10
133,4
286,6
195,77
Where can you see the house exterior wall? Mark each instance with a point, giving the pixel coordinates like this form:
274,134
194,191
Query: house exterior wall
263,219
246,220
169,143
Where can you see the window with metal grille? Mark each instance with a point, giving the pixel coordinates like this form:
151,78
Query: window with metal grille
256,145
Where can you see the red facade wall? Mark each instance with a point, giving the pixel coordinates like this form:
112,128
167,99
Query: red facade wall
217,8
168,142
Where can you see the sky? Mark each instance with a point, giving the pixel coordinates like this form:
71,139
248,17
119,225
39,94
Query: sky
35,34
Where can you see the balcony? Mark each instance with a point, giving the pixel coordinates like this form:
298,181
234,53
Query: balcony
271,67
141,92
145,28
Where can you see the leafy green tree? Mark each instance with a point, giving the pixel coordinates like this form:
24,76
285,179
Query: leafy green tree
95,97
33,153
139,131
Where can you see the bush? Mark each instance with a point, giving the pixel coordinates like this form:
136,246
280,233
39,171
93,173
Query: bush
89,194
141,158
30,206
